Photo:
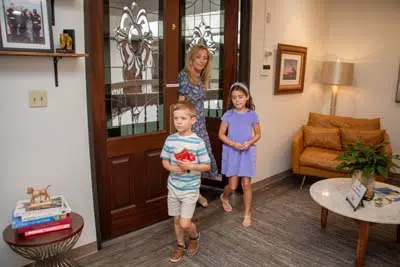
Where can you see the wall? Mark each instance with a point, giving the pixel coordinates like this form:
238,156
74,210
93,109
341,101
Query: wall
367,33
47,145
297,23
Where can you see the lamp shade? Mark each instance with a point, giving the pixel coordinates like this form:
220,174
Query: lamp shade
337,73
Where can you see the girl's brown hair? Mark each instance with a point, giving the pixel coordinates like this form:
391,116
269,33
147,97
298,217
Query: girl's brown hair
205,73
249,103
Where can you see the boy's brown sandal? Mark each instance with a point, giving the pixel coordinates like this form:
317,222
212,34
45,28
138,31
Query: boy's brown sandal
193,245
177,253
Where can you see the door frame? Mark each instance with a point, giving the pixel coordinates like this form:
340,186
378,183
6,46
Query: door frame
95,77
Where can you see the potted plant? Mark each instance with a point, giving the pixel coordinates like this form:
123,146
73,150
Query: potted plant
366,162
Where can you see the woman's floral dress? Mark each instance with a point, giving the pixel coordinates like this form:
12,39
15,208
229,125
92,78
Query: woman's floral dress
197,96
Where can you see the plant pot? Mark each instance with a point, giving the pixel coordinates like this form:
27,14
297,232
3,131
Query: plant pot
367,181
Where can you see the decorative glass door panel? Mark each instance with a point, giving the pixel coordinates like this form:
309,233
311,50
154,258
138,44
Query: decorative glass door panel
203,22
133,40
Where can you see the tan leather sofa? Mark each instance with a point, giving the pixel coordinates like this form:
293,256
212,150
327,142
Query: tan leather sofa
317,144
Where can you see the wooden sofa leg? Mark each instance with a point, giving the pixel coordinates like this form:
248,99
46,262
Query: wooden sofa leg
302,182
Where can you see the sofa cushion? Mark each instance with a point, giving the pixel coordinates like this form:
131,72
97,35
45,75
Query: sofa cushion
328,121
322,137
320,158
373,137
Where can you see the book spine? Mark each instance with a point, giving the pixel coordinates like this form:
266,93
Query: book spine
66,220
47,229
17,223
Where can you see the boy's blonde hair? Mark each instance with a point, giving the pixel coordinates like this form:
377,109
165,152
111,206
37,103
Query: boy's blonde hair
205,73
185,105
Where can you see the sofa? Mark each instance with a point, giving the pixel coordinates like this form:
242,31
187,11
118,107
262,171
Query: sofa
316,145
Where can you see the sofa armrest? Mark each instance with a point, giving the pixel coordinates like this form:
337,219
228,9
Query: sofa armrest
297,149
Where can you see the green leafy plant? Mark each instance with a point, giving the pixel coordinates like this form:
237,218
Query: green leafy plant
368,159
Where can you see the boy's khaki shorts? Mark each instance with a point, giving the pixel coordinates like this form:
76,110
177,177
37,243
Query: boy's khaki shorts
182,203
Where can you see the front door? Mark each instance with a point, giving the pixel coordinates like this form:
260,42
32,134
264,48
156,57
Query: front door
136,50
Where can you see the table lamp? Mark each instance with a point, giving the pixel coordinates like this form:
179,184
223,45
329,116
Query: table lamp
336,73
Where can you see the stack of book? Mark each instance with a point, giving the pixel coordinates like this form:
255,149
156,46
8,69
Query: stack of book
43,217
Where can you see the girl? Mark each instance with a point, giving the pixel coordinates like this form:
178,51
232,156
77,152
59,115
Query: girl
194,79
238,151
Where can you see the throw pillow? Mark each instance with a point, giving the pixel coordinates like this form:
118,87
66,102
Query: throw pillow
328,138
373,137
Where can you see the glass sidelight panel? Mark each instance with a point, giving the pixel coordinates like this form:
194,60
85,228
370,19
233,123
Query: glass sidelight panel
203,22
133,38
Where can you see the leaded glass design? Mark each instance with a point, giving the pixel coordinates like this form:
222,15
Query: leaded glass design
134,92
203,22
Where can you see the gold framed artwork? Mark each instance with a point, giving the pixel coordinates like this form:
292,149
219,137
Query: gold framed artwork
290,69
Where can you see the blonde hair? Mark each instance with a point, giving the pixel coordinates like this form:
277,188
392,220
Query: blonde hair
186,105
205,73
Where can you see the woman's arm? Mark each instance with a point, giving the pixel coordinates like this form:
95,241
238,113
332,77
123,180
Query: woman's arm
224,138
181,97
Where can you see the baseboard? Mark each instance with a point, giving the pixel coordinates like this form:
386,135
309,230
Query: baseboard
276,178
78,252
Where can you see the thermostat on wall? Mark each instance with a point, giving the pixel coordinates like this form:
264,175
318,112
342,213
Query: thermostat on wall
265,69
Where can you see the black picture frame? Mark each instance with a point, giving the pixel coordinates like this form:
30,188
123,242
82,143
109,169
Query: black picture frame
26,26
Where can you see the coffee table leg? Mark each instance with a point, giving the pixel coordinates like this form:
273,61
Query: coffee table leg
324,217
398,234
362,243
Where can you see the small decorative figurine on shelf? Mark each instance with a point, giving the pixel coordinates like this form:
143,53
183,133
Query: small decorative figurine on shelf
38,193
67,41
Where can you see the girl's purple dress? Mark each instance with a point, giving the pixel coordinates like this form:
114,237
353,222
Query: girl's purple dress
240,129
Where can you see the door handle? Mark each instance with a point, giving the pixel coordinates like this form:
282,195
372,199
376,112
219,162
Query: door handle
172,85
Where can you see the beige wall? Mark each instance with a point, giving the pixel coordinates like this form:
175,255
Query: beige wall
297,23
367,33
46,146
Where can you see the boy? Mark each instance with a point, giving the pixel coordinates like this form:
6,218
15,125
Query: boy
184,177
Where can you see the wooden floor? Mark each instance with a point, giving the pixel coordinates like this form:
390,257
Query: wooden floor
286,232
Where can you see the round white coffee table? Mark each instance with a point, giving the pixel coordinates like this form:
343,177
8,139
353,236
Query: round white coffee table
331,193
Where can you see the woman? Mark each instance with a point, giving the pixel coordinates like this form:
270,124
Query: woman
193,80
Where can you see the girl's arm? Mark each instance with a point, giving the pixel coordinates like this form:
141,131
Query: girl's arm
255,138
224,138
172,168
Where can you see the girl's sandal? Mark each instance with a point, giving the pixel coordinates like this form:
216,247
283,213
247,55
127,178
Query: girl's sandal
225,204
203,201
246,221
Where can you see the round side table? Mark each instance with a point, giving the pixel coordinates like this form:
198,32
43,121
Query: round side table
47,249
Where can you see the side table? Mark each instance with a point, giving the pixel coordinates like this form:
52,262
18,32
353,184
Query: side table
48,249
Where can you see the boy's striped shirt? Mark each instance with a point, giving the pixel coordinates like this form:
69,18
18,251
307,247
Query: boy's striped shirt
176,143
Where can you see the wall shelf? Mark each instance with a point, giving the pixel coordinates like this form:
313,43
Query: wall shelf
56,57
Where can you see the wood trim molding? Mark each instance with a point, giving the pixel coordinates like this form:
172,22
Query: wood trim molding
274,179
394,175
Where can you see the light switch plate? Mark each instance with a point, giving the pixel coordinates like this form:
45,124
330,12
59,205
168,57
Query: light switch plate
37,98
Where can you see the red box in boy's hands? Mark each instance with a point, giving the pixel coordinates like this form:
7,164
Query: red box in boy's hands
185,154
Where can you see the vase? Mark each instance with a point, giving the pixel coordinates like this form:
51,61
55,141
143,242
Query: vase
368,182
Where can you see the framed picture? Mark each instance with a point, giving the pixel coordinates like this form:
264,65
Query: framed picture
25,25
290,69
398,87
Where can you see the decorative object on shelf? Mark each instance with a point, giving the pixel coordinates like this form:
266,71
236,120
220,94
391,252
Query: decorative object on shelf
67,42
26,26
290,69
398,87
336,73
38,193
366,162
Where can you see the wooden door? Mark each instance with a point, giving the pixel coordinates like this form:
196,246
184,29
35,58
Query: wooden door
135,51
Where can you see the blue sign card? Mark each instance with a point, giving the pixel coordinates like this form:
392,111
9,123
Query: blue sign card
356,194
